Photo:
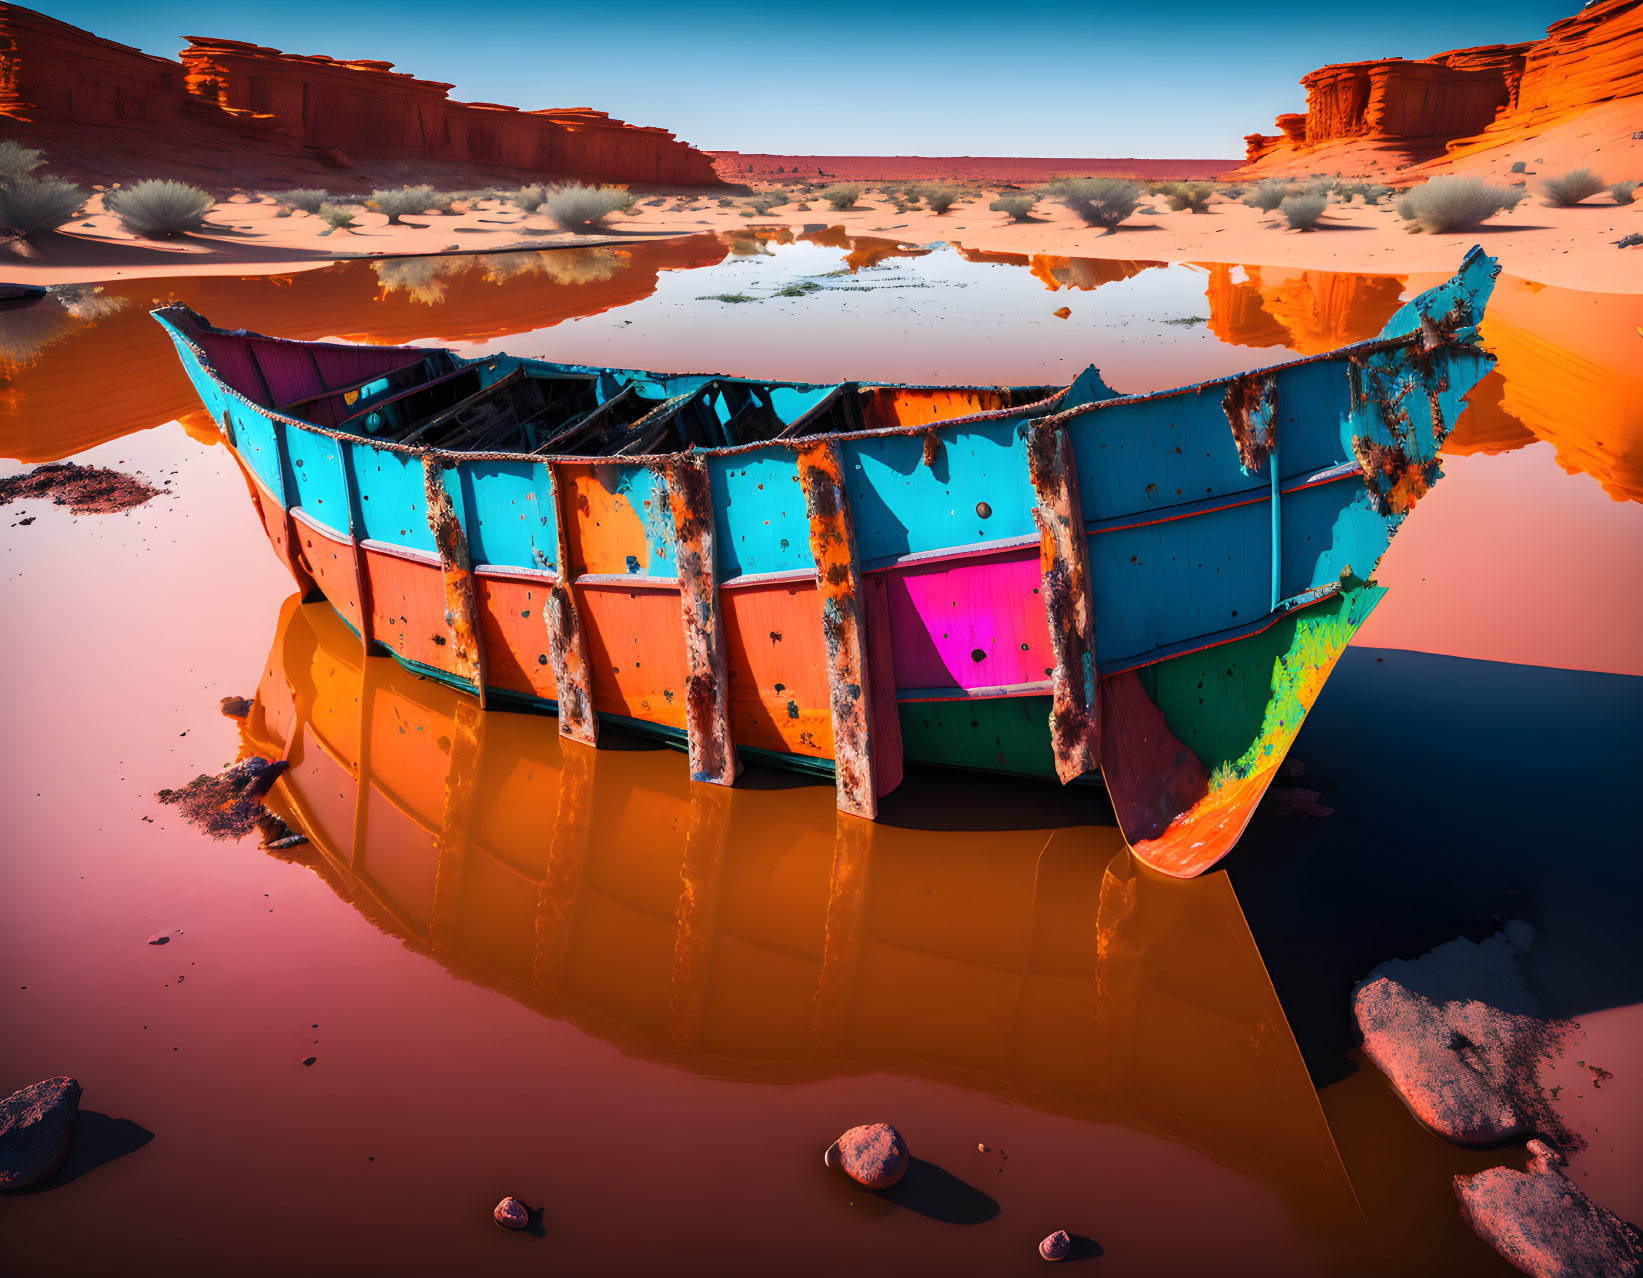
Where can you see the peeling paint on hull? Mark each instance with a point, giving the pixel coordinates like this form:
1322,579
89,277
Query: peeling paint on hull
1065,583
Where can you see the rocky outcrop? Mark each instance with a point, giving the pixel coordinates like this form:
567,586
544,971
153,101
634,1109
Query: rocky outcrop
1543,1223
231,108
1464,99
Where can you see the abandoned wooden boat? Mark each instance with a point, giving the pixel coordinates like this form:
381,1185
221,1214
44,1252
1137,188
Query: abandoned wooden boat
1145,590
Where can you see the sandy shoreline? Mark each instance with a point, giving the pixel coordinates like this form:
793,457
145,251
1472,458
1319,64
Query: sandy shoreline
1569,247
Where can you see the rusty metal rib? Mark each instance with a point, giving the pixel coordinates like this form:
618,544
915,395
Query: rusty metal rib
1075,710
707,678
838,577
567,645
461,605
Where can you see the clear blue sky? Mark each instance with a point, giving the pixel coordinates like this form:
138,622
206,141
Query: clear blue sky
1010,77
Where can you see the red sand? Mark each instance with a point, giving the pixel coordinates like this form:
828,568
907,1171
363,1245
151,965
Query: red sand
736,166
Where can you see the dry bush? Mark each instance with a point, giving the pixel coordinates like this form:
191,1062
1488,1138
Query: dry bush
576,207
1187,195
305,199
1098,201
1268,194
1303,211
1570,188
159,208
1622,192
841,196
337,217
1019,207
396,203
17,161
941,197
33,205
1450,203
530,197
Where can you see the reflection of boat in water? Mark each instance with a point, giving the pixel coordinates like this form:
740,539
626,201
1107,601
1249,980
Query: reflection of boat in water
907,571
760,936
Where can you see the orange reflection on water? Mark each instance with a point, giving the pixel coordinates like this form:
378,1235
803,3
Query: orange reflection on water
76,375
760,935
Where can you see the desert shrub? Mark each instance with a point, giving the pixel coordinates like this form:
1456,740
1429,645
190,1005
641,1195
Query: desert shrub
1520,167
406,199
1622,192
1570,188
1373,192
1449,203
1513,196
1232,192
337,217
841,196
159,208
306,199
1188,195
1267,194
804,207
18,161
530,197
34,205
1098,201
1019,207
940,197
576,207
1303,211
768,200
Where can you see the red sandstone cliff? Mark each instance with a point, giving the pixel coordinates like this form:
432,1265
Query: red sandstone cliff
1395,112
234,114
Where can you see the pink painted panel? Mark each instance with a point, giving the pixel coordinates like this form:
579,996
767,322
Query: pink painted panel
943,615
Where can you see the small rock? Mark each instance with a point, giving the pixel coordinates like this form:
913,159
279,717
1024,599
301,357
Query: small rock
1545,1153
1056,1246
873,1155
236,707
510,1213
982,1148
309,1060
36,1130
159,938
1544,1224
1061,312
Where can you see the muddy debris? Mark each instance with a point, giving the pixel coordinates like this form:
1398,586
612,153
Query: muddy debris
236,707
1543,1223
85,490
36,1130
228,805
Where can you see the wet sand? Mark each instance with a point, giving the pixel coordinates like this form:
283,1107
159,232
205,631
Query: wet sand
647,1009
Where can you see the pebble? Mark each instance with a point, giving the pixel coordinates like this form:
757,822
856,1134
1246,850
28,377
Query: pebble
1056,1246
159,938
873,1155
510,1213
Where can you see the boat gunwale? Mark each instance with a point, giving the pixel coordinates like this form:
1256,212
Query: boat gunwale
1370,346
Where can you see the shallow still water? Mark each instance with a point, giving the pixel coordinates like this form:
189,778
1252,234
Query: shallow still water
646,1007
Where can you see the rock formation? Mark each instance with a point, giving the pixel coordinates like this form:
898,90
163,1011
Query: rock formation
231,113
1406,111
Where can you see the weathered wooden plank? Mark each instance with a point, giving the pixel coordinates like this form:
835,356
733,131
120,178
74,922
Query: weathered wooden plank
1075,707
567,645
461,611
707,680
838,577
